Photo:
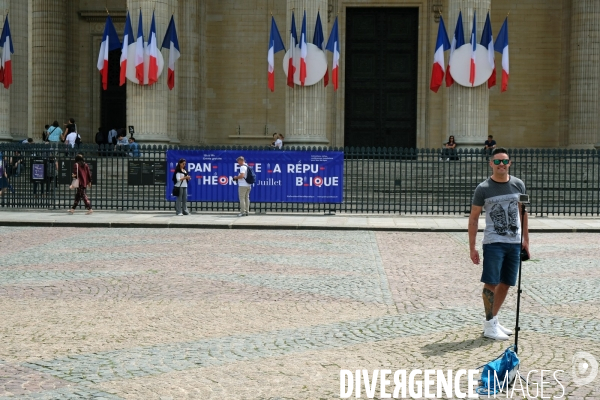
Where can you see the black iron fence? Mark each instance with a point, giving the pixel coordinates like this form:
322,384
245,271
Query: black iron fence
376,180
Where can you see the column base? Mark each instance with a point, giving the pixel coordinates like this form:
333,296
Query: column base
469,142
305,141
584,146
152,138
7,137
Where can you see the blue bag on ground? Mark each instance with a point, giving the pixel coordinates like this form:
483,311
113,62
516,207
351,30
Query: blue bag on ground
498,374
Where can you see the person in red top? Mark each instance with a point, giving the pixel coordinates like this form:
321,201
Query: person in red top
81,171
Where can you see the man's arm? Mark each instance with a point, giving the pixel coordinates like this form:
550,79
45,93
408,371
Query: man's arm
240,176
473,226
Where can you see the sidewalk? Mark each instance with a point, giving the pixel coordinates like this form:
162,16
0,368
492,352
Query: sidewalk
229,220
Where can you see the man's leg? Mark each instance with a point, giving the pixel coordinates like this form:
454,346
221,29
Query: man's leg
248,200
242,197
493,298
488,300
493,295
499,297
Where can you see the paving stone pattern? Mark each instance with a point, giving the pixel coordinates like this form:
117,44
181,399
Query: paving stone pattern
258,314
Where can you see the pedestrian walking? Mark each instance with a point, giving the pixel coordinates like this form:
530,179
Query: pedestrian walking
181,179
499,197
243,187
83,180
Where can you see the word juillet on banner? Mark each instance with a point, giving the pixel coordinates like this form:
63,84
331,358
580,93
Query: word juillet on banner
435,384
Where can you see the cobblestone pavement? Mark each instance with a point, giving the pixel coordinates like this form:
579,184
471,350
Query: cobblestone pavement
95,313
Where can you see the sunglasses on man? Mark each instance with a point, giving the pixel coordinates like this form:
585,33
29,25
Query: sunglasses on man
498,162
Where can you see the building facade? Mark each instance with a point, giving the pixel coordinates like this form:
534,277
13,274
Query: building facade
221,95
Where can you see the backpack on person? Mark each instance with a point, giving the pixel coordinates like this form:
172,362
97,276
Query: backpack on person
250,175
99,137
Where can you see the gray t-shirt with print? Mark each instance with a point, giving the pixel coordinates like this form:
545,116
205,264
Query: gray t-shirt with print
500,201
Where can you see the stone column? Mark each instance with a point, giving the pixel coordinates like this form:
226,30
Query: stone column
148,106
585,74
306,107
49,81
468,108
19,111
187,78
173,100
5,135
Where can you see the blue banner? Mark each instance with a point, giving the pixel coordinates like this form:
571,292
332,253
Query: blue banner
281,176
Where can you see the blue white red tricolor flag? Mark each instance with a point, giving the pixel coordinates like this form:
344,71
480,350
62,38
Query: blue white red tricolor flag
127,40
172,43
275,45
292,61
457,40
473,51
487,41
501,46
319,41
303,51
110,41
139,52
333,45
152,54
442,44
6,46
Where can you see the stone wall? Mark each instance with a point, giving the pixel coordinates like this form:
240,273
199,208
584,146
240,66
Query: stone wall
221,94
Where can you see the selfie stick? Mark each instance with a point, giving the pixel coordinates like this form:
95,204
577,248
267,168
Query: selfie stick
523,199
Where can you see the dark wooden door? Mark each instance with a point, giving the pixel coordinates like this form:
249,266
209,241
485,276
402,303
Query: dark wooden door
381,77
113,113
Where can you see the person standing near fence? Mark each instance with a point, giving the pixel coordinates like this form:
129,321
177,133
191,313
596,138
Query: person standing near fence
81,172
3,175
243,188
499,196
54,133
181,181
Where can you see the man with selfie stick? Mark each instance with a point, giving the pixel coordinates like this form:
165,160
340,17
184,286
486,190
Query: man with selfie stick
502,242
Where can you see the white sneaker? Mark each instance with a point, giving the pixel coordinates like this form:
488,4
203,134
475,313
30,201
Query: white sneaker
240,214
180,214
492,331
504,330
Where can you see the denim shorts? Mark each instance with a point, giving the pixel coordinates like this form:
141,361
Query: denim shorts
501,263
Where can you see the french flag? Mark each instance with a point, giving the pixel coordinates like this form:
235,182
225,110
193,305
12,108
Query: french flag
501,46
139,52
152,54
7,49
473,51
487,41
457,40
293,42
172,43
303,51
110,41
442,44
275,45
333,45
127,40
319,41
